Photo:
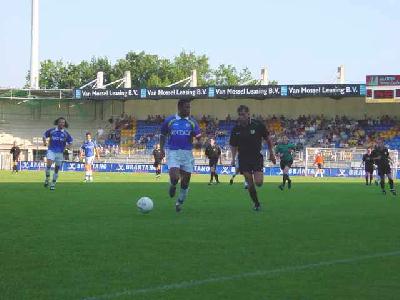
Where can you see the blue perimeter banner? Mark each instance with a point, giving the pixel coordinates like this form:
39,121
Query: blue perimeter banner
198,169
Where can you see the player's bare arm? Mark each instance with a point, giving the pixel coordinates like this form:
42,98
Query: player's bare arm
234,153
162,145
97,153
271,150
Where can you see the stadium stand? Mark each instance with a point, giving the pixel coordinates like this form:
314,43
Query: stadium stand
308,131
23,131
123,136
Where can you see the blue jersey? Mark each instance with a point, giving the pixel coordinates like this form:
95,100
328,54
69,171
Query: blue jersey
88,148
180,131
59,138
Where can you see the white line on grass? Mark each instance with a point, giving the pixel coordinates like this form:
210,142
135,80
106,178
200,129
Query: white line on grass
192,283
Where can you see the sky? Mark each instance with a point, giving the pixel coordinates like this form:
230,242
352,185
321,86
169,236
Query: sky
300,42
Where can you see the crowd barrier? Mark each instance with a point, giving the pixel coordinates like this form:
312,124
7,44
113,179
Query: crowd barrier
198,169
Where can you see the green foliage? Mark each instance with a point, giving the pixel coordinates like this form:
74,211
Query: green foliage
273,82
52,73
186,62
147,70
226,75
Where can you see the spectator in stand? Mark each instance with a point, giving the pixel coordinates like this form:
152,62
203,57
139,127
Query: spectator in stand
100,132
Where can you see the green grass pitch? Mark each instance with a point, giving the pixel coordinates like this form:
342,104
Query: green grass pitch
324,239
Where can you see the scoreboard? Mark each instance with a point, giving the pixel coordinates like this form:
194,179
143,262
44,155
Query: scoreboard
382,88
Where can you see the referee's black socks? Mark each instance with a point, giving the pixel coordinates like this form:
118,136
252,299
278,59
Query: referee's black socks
253,194
285,178
216,176
391,184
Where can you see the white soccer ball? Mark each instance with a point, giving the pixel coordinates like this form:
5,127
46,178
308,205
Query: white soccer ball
145,205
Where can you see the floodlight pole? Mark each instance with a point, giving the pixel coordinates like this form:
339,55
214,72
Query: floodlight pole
34,72
193,79
127,81
341,79
264,76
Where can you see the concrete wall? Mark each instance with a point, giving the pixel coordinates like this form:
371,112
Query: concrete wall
102,110
354,107
52,109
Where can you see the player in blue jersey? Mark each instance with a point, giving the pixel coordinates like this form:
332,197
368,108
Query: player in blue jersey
180,129
88,151
57,139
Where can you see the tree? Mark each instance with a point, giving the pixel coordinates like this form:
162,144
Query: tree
246,77
101,64
51,74
186,62
227,75
142,66
147,70
58,75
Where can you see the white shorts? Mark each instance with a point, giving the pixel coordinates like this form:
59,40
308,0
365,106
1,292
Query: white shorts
182,159
89,160
55,156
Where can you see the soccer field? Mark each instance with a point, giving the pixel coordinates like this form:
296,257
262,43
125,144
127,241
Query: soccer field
324,239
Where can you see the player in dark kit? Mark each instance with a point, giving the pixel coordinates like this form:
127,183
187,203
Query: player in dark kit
213,153
284,150
158,157
246,140
15,151
382,159
368,162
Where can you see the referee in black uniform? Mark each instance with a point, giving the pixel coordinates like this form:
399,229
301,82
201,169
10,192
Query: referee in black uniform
368,162
382,159
158,157
213,153
15,151
246,140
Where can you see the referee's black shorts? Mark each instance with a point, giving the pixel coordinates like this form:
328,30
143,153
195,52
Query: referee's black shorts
254,163
369,169
213,162
157,163
384,170
319,166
